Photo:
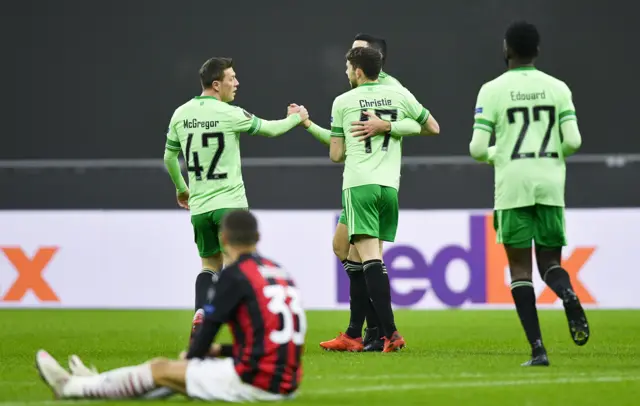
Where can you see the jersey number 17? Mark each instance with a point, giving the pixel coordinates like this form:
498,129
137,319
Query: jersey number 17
526,120
196,168
391,115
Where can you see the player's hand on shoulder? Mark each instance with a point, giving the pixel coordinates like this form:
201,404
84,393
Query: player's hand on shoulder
304,114
372,126
183,199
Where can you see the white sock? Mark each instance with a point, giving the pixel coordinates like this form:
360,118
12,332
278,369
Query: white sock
121,383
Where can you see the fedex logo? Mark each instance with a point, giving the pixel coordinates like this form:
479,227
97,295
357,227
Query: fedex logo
28,270
485,260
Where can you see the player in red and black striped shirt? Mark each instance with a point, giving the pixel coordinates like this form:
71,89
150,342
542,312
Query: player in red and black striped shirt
262,306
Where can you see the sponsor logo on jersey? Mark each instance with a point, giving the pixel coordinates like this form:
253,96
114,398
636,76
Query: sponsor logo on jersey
478,110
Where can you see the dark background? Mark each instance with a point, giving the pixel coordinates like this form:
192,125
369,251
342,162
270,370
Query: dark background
100,80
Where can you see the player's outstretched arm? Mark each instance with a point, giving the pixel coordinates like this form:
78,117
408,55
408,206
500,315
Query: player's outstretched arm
243,121
321,134
275,128
375,125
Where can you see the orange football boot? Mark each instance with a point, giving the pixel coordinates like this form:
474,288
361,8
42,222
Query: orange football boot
343,343
396,343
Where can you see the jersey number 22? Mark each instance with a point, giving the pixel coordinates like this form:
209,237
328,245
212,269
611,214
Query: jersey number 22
526,119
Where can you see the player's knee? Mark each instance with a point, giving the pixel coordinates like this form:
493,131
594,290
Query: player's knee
159,362
159,367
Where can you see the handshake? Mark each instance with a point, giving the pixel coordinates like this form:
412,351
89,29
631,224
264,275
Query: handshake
304,114
368,126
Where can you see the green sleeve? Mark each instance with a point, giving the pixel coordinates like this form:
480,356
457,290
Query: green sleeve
321,134
567,109
479,146
485,113
244,122
415,109
173,167
172,143
275,128
405,127
337,129
572,139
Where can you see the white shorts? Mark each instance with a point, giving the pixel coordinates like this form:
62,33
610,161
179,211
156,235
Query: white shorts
216,379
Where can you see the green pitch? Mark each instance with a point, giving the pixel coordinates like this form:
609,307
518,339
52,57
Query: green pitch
453,357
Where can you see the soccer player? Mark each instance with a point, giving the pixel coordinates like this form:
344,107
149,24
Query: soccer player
207,131
530,111
352,339
371,177
261,304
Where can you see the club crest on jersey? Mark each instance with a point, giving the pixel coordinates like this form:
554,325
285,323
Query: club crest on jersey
247,114
478,110
208,309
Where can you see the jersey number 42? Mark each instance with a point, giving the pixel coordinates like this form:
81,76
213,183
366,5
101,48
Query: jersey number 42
196,168
278,295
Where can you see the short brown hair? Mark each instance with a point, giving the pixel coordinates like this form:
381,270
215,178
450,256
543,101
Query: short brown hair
374,42
240,227
367,59
213,69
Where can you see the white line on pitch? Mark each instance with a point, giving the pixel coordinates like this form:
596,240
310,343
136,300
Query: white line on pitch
396,388
472,384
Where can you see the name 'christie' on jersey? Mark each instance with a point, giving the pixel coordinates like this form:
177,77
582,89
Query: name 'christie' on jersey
525,108
207,131
378,160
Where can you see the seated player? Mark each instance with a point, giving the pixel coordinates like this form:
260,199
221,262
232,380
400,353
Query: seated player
261,304
529,110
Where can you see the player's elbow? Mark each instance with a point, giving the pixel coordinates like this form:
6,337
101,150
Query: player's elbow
575,143
431,127
336,152
477,152
335,156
